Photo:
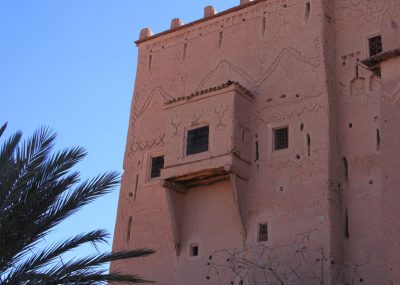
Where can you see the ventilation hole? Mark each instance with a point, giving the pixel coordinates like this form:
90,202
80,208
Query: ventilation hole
298,156
243,20
281,188
301,127
297,95
269,100
130,194
282,96
284,5
350,125
308,145
194,250
371,182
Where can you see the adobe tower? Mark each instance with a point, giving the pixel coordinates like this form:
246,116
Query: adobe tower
264,147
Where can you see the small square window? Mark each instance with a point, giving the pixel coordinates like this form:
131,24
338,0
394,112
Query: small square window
262,232
157,163
197,140
281,138
375,45
194,250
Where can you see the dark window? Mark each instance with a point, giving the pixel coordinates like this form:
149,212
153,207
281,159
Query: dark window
197,140
194,250
263,232
157,163
281,138
375,45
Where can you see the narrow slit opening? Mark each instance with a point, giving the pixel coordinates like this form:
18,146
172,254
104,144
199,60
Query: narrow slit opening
150,61
308,9
136,186
264,25
378,139
128,231
184,51
346,229
257,153
221,36
308,145
345,169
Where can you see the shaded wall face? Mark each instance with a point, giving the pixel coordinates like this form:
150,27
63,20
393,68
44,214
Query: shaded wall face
273,49
390,164
359,136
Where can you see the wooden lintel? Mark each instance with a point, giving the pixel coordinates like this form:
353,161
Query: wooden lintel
174,186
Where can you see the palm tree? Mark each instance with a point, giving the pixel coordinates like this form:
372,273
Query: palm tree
38,190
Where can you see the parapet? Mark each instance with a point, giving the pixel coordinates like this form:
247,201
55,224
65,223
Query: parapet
209,12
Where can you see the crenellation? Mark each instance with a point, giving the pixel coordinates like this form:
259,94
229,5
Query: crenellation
209,11
145,33
176,23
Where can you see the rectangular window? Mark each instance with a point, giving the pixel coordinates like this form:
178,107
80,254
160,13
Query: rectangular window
375,45
194,250
262,232
281,138
197,140
157,163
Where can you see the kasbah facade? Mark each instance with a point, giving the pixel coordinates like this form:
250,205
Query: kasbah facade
264,147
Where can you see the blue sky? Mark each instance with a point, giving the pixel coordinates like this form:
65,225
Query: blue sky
70,65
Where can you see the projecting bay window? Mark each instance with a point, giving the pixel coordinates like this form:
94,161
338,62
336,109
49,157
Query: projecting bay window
197,140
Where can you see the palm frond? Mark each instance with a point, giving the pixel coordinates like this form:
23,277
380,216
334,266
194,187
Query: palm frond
38,190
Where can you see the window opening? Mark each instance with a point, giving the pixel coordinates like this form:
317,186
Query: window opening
194,250
262,232
281,138
197,140
157,163
375,45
